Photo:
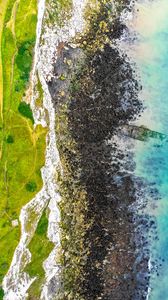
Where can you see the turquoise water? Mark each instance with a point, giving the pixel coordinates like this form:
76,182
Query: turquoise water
150,52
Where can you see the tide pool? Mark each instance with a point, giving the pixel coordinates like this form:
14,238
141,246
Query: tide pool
150,53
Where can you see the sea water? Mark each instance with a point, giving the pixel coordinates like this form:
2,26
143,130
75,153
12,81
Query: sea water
149,51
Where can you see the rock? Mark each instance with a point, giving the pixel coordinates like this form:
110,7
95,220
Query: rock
141,133
15,223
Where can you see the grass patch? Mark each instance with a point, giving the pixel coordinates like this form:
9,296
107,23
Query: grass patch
10,139
25,110
40,247
23,63
39,100
31,186
3,7
1,294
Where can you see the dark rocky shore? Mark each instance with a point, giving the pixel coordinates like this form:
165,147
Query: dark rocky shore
94,92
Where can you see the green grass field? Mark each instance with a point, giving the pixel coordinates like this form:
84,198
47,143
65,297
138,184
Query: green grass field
22,148
40,247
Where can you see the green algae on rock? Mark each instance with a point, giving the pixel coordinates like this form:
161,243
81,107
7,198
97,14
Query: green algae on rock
58,12
90,81
73,207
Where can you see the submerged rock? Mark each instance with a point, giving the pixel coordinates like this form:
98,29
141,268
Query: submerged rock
141,133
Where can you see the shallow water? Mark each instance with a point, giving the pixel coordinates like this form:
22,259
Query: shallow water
150,52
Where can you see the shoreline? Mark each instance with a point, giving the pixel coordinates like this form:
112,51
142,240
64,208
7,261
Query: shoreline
94,199
92,109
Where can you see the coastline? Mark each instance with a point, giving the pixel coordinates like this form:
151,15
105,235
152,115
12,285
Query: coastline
94,197
87,94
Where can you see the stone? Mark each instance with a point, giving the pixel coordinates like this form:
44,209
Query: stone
15,223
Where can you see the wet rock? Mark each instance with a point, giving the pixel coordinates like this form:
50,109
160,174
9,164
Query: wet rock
141,133
101,96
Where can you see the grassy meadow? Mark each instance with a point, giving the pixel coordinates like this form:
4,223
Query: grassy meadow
40,247
22,148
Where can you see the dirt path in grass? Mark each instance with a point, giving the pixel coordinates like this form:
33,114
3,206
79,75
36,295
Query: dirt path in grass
3,6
